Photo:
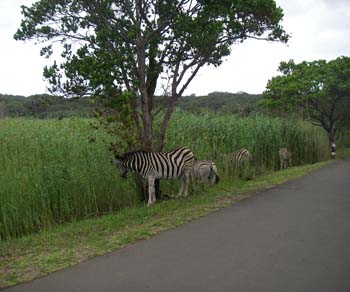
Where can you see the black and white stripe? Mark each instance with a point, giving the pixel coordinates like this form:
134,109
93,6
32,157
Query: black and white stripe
240,157
158,165
239,164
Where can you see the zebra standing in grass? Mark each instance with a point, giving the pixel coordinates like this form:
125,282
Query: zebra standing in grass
285,158
206,171
240,157
239,161
158,165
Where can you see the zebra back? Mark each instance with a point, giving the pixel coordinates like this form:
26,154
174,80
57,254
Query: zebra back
200,164
240,157
206,171
161,165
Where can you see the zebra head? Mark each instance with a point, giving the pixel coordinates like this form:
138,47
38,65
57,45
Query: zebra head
119,163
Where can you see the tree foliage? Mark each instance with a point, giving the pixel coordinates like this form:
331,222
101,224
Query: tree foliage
320,88
141,46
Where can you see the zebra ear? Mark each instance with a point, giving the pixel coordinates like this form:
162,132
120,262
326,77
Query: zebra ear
118,157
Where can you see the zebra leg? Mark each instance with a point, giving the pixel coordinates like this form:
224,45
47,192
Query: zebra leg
193,179
181,186
151,191
205,175
186,180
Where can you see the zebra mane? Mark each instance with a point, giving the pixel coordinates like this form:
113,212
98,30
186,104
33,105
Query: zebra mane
129,154
132,153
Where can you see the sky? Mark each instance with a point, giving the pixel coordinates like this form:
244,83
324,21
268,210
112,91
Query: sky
319,29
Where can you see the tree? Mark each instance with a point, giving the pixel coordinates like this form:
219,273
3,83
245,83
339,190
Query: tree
127,50
320,88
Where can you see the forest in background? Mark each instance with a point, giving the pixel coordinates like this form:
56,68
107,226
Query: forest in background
43,106
49,106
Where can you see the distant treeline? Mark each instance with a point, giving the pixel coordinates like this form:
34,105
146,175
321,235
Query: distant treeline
49,106
241,103
43,106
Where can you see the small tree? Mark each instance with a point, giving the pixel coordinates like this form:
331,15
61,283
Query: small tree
136,46
320,89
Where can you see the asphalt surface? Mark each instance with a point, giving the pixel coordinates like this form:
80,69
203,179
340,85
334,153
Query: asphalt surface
295,237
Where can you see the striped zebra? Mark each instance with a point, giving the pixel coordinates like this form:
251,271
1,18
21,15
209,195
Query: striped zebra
239,161
206,171
285,158
176,163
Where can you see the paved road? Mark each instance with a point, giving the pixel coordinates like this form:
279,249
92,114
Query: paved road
295,237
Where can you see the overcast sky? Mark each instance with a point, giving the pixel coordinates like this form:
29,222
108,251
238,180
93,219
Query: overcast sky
320,29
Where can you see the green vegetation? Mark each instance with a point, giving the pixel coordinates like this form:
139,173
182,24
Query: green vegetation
318,89
240,103
49,106
43,106
210,136
52,174
36,255
125,54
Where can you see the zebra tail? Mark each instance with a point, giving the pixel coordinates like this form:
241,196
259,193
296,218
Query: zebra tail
215,172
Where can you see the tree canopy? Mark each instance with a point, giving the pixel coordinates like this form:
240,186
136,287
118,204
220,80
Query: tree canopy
127,50
320,88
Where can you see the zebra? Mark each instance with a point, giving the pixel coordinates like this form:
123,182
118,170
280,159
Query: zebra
285,158
239,161
175,163
333,150
206,171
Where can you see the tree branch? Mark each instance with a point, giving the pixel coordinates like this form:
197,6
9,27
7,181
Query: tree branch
194,73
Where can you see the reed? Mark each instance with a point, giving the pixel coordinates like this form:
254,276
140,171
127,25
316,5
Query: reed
51,174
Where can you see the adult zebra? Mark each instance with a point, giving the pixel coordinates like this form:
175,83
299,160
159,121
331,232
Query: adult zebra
175,163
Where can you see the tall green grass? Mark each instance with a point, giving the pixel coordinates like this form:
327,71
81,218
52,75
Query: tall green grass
50,173
210,137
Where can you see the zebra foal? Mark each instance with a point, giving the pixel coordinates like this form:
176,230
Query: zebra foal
239,161
240,157
285,158
175,163
206,171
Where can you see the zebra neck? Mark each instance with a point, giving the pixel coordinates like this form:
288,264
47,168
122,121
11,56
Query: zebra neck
133,166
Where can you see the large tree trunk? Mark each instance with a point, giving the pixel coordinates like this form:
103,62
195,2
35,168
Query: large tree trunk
331,134
331,138
331,141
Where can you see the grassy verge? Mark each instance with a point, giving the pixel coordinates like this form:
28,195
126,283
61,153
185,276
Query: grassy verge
36,255
343,153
